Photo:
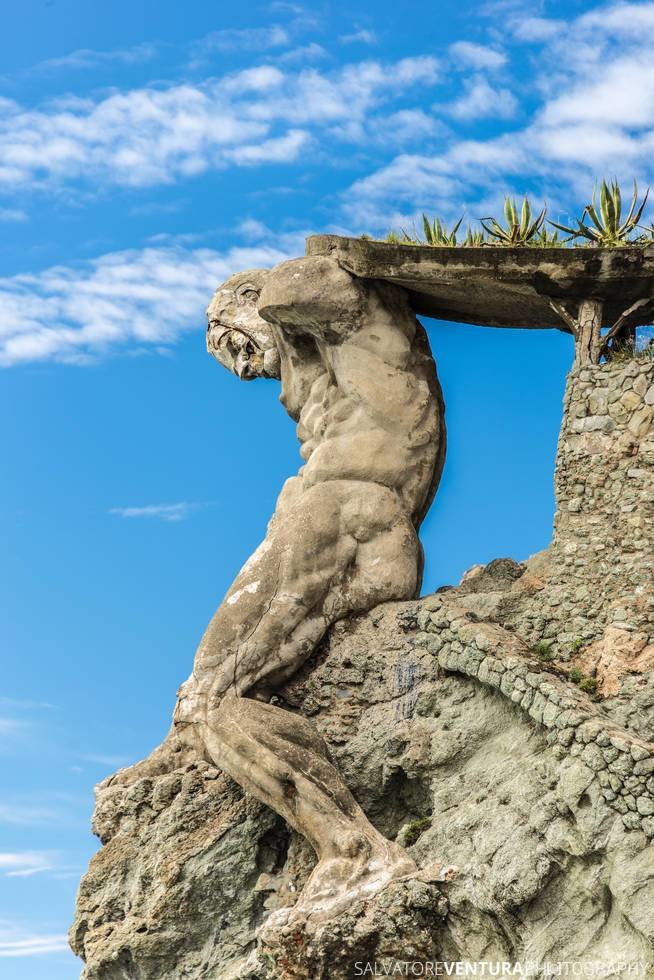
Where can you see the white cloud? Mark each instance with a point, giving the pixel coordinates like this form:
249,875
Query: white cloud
602,35
306,52
142,137
153,135
481,101
594,85
12,214
503,9
284,7
407,177
88,58
24,864
406,125
26,814
280,149
16,941
115,761
22,703
536,29
316,99
145,136
253,230
13,732
171,513
362,36
244,39
142,298
10,727
477,55
633,21
622,96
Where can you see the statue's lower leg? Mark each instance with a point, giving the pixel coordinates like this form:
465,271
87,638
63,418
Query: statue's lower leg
279,758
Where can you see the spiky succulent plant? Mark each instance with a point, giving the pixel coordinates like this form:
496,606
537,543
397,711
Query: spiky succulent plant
401,239
473,238
520,229
607,227
649,233
437,234
548,239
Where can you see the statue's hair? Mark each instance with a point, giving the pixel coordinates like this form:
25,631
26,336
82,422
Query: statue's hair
255,276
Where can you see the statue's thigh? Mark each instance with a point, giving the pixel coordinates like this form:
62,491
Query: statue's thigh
387,557
386,567
312,542
325,525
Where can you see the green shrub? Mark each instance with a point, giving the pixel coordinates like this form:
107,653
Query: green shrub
543,650
588,685
628,350
415,830
584,682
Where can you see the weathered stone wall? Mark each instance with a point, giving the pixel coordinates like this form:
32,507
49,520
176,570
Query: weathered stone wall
601,562
621,762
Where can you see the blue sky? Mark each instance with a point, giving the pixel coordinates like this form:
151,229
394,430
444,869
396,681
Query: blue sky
147,151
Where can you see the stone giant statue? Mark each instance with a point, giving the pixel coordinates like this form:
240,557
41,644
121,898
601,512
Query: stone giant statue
358,377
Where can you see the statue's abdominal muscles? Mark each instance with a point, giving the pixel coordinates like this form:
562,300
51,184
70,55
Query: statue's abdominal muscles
392,440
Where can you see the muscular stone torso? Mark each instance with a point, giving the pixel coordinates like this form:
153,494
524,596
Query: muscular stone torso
371,410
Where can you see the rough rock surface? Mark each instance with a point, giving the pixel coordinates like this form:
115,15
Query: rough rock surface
505,726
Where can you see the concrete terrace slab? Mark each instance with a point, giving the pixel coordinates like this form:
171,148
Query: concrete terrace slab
502,287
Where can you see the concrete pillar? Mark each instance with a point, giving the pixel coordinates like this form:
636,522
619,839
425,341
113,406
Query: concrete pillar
589,324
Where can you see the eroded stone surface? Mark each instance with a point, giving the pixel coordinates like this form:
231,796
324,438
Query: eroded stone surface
460,726
402,922
521,809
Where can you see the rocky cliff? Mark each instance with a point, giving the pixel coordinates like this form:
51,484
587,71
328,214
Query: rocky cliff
505,726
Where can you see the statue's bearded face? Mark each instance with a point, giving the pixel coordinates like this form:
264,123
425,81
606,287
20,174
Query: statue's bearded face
236,335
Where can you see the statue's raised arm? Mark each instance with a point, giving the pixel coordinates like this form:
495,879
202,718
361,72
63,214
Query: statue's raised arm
358,377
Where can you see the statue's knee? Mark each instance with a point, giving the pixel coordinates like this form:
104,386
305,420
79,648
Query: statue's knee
230,708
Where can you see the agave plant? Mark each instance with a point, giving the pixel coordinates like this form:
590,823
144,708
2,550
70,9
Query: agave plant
401,239
548,239
473,238
437,234
519,230
649,233
607,227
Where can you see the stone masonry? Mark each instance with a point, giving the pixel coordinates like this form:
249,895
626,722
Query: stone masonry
601,562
